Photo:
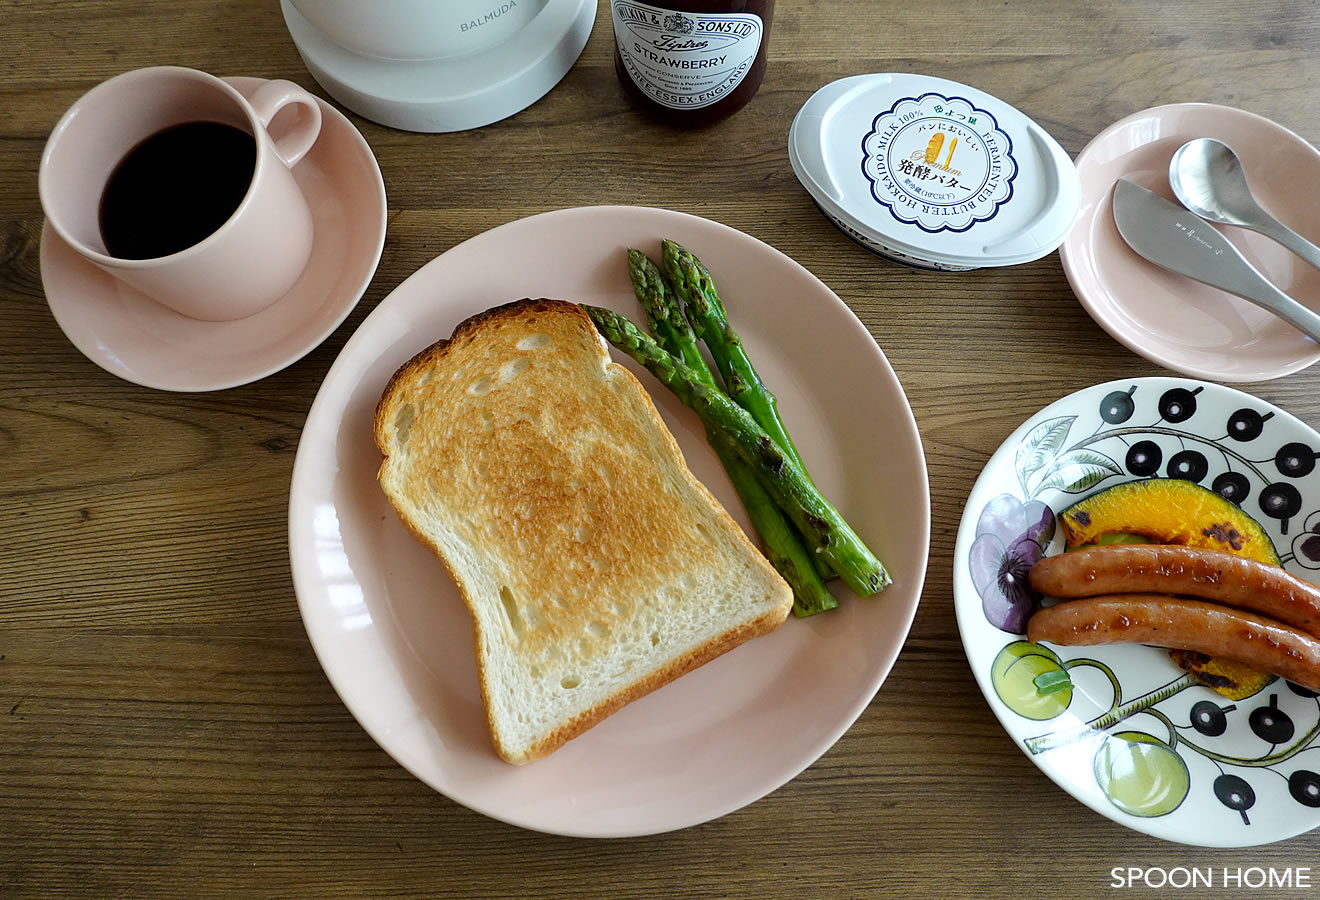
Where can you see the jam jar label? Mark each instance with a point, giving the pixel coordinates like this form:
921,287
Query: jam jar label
685,60
938,163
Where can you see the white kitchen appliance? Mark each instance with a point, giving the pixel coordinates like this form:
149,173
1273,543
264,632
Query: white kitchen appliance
438,65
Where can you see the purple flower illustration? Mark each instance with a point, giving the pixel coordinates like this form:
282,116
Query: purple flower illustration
1010,537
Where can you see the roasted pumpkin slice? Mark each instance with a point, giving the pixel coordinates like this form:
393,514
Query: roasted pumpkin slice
1166,511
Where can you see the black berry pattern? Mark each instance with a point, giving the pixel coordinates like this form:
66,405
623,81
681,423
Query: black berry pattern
1232,486
1144,458
1178,404
1117,407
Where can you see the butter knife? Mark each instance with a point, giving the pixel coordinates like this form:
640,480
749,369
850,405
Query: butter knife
1180,241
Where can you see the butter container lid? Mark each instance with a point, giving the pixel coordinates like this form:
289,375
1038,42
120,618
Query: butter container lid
933,173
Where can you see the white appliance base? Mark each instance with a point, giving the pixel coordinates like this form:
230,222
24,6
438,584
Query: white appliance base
455,93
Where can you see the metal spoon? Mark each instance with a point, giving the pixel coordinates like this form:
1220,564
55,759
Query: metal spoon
1206,176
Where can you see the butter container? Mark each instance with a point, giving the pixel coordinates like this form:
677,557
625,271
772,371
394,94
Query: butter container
932,173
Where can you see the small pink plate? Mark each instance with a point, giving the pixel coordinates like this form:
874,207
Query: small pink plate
395,638
1182,324
132,336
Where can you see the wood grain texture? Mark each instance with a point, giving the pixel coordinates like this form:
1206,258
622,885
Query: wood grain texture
165,729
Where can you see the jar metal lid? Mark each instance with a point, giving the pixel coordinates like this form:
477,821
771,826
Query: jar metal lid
933,173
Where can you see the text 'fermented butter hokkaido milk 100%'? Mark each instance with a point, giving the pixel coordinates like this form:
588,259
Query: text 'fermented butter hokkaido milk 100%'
688,62
933,173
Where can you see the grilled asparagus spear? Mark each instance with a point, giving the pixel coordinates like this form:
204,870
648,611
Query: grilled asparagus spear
783,546
817,520
705,310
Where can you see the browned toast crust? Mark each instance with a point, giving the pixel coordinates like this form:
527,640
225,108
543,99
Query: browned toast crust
636,542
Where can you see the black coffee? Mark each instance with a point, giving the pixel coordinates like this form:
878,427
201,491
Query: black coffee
175,188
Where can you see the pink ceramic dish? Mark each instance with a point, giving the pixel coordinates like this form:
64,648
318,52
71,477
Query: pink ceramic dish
1171,320
394,636
138,339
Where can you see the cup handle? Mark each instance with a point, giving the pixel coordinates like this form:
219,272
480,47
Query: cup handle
273,96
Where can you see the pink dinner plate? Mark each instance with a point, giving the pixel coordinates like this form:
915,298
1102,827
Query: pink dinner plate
1178,323
394,636
130,335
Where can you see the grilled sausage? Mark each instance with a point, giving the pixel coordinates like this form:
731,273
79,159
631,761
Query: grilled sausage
1189,571
1182,625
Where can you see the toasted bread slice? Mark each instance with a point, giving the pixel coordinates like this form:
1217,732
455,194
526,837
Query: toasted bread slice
595,566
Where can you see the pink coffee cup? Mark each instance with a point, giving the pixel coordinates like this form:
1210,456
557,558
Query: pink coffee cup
249,261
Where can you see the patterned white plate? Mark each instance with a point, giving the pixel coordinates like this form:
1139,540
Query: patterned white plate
1121,727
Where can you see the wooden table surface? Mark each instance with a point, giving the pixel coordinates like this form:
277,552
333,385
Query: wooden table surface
165,728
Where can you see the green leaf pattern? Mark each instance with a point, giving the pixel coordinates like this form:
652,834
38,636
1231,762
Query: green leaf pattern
1039,448
1039,459
1078,471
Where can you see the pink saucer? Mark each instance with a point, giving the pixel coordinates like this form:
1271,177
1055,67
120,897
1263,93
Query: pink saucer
1171,320
132,336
